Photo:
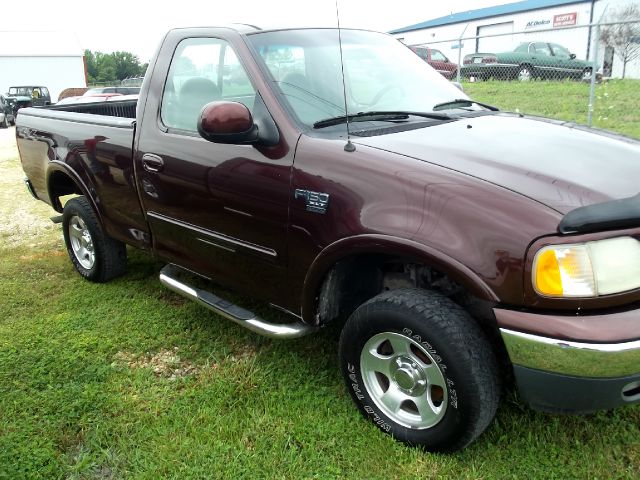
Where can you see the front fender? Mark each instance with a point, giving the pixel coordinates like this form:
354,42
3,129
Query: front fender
387,245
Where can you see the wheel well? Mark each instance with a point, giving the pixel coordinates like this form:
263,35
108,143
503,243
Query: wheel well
60,184
354,280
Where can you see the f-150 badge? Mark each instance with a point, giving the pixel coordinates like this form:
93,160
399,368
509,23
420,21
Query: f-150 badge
316,201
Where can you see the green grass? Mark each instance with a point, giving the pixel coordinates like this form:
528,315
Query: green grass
128,380
616,105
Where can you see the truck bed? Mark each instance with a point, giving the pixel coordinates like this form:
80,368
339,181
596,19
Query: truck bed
91,143
120,109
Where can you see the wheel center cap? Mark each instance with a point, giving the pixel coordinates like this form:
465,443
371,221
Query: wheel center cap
405,379
409,376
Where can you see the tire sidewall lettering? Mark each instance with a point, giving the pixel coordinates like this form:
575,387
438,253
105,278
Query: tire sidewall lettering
453,395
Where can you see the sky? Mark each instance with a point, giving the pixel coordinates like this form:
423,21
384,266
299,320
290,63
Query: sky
137,26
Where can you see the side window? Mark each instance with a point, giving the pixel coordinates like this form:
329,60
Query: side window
202,70
542,49
421,52
236,86
560,51
438,56
45,92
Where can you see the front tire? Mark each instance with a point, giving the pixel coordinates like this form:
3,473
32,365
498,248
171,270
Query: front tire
525,74
420,367
96,256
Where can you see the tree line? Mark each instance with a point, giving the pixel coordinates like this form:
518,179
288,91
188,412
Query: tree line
112,67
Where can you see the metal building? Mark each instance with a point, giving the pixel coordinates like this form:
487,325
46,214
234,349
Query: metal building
499,28
51,59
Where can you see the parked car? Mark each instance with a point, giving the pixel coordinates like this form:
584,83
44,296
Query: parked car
457,246
7,116
120,90
529,60
437,60
28,96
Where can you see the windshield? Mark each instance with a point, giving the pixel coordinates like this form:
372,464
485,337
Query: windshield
25,91
380,73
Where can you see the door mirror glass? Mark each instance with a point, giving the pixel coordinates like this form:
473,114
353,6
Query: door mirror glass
227,122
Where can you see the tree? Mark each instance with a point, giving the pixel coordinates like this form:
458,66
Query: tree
112,67
624,38
127,65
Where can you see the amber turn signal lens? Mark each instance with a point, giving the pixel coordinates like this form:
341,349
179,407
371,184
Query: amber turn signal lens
564,271
547,274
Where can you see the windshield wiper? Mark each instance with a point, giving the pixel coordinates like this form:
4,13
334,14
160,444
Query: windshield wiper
463,102
378,116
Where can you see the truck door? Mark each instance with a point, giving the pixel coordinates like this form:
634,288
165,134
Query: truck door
218,210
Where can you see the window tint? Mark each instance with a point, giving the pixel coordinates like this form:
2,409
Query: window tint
202,70
438,56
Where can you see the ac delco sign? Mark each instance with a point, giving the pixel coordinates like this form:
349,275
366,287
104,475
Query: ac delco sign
565,19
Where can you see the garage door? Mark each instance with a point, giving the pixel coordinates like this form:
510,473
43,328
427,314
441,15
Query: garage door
488,44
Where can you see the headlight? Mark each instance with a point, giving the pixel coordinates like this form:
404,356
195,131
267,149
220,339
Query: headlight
602,267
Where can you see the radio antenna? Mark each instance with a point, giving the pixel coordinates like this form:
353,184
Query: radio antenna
349,147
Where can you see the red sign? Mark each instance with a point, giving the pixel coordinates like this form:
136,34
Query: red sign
565,19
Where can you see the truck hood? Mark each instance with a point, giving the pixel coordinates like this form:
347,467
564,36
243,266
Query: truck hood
557,164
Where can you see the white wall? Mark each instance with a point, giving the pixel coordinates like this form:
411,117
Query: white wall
574,39
606,8
55,73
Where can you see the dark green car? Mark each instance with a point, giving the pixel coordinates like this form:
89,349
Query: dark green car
529,60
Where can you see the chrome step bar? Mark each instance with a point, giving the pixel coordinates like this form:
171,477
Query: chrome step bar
170,278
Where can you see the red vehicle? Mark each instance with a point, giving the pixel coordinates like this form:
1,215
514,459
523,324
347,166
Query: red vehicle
437,60
458,246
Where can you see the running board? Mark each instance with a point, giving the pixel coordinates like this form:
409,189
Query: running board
170,278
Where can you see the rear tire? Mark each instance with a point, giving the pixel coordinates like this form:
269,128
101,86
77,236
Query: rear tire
96,256
5,122
421,369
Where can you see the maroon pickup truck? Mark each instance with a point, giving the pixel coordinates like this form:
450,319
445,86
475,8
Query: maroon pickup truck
462,248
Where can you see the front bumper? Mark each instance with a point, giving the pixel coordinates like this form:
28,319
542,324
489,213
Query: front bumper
573,376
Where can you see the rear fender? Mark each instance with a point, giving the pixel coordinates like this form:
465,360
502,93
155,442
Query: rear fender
58,166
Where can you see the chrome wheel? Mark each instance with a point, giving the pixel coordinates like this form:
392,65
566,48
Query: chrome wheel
404,380
524,75
81,242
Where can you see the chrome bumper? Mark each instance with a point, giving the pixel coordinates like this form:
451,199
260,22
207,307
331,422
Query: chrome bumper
593,360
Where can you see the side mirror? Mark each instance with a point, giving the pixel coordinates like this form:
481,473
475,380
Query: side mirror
572,56
227,122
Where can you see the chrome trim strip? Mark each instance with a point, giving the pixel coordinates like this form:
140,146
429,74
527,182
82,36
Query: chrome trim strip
598,360
220,236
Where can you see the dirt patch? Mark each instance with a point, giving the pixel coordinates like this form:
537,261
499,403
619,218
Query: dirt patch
165,363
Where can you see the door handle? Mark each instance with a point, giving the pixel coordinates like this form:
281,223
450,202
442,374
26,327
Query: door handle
152,163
